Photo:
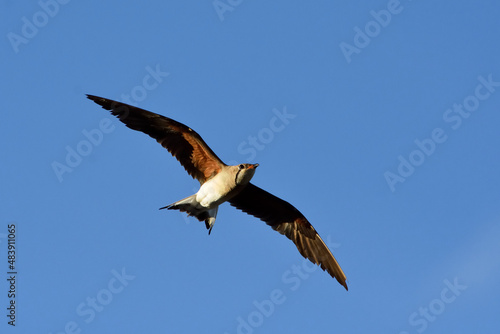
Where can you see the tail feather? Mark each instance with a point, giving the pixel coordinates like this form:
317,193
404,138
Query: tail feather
191,206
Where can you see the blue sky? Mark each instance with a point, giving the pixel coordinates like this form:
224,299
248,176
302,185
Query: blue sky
377,120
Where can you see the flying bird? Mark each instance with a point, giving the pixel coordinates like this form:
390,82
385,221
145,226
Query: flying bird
221,183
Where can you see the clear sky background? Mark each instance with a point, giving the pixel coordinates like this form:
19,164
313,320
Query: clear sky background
389,145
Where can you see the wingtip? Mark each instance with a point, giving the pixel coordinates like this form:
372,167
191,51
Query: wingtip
342,282
95,98
104,103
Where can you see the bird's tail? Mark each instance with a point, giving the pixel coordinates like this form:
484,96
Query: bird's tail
191,206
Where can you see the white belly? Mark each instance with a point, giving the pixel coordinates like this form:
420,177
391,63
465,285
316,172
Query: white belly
215,191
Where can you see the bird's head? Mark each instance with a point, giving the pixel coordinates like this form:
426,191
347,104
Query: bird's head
244,173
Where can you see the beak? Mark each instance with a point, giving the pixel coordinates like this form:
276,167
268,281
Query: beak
253,166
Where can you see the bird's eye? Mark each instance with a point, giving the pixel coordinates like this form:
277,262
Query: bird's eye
241,166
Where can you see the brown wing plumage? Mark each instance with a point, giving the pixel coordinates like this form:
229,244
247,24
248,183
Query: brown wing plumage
286,219
182,142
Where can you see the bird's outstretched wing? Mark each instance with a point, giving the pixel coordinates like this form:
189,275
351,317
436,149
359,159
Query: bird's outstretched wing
286,219
181,141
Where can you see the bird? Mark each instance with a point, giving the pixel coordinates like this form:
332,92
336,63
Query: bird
221,183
